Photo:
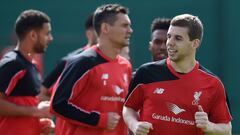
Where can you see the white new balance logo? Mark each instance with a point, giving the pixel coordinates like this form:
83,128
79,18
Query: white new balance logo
104,78
158,91
174,108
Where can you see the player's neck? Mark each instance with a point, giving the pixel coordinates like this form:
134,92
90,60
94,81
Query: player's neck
108,50
25,51
184,66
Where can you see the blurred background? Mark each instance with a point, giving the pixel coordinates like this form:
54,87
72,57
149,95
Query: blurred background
218,52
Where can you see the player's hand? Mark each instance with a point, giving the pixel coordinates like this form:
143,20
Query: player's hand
47,126
142,128
201,119
113,119
43,110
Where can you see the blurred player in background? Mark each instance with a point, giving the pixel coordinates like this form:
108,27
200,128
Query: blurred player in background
157,45
52,77
19,106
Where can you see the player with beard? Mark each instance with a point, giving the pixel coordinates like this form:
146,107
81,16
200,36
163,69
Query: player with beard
20,110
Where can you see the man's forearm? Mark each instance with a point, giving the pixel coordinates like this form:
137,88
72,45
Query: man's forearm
11,109
220,129
130,116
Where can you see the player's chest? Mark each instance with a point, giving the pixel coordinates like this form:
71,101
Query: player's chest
179,94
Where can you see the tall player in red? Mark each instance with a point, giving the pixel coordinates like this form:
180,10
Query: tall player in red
92,88
178,95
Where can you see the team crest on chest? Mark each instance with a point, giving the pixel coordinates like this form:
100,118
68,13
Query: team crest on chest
196,97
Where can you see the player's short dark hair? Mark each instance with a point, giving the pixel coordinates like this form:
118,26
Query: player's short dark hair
193,23
89,22
28,20
160,23
107,14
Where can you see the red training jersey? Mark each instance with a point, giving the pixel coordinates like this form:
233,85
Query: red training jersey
169,100
91,86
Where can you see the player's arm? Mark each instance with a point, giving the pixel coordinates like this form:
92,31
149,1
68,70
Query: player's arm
10,109
218,121
13,72
52,77
50,80
131,117
211,128
219,129
133,104
73,80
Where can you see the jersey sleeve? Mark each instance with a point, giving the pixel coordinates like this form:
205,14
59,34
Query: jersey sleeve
52,77
72,81
220,112
11,72
135,92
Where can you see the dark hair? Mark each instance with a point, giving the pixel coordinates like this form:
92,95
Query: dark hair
193,23
89,22
107,14
160,23
28,20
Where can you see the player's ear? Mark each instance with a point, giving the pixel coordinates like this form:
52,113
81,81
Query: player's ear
196,43
88,34
32,35
105,28
150,46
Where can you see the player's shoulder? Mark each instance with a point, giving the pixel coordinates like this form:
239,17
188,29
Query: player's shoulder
209,74
11,58
87,58
12,62
75,52
152,66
